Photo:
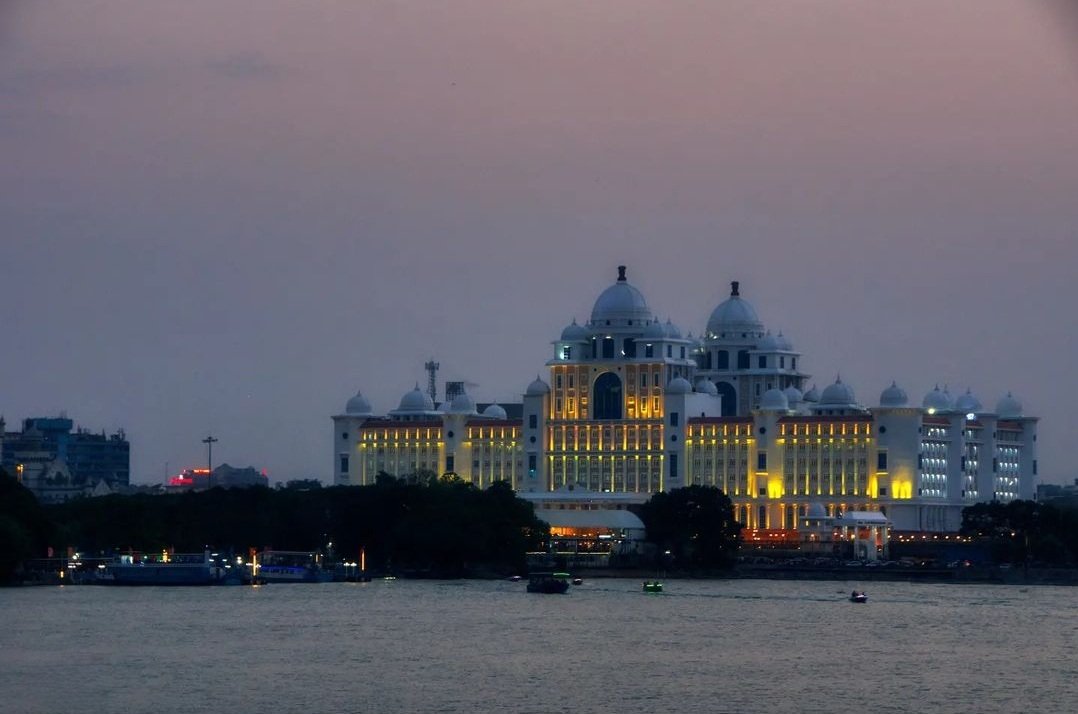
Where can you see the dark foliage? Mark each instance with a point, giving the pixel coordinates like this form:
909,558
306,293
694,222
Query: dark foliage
24,527
1026,531
423,525
696,524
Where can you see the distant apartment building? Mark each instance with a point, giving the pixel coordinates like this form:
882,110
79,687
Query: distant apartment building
57,461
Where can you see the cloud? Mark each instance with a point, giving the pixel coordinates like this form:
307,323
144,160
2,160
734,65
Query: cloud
71,77
246,66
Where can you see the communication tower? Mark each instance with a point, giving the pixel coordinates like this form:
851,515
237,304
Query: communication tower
432,384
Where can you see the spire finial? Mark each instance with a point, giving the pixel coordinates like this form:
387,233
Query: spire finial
734,289
621,273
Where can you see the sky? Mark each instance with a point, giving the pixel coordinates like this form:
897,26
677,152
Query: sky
226,216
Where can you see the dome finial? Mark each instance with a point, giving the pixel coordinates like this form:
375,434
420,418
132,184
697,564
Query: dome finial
621,273
734,289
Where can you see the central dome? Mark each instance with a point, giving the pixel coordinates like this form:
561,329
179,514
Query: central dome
621,302
733,315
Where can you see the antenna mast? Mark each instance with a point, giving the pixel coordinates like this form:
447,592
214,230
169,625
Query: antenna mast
432,383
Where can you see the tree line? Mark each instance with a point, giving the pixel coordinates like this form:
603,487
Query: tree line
419,524
1026,532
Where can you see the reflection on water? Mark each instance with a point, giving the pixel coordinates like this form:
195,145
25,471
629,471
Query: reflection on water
474,646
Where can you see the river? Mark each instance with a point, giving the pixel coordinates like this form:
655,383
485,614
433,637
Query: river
488,646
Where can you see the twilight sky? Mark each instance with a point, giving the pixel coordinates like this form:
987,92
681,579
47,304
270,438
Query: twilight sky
225,216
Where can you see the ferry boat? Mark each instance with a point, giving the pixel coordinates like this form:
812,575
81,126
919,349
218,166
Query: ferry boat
548,583
286,566
166,568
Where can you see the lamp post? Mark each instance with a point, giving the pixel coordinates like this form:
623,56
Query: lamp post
209,441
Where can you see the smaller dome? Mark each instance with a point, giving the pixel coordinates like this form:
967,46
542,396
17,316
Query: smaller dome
784,343
768,343
812,395
706,386
678,385
838,394
494,411
967,403
416,401
574,333
793,395
816,510
654,331
671,330
894,396
774,400
937,401
358,405
462,404
1008,407
537,388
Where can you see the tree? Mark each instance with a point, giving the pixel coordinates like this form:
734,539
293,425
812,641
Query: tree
24,527
696,524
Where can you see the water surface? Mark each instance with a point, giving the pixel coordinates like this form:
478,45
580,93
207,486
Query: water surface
482,646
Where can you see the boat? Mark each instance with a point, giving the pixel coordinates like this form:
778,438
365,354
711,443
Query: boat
653,586
286,566
578,581
858,596
171,569
549,583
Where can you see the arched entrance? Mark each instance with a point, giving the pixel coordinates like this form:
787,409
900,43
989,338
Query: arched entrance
729,398
607,397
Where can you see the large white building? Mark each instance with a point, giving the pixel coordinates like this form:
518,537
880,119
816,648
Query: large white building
632,405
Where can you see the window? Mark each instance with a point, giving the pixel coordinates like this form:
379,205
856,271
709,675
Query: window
673,465
881,461
793,363
761,362
670,351
571,381
682,353
761,461
723,361
533,421
449,462
673,419
557,381
630,348
344,463
608,348
883,490
531,464
345,436
566,353
742,359
782,363
643,379
649,351
656,380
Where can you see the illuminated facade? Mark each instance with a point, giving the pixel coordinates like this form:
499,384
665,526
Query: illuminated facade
633,406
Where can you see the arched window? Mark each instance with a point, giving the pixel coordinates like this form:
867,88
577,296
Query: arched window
729,398
722,360
607,397
742,359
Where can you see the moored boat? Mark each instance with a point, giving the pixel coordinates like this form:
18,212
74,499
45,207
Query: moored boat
858,596
171,569
285,566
